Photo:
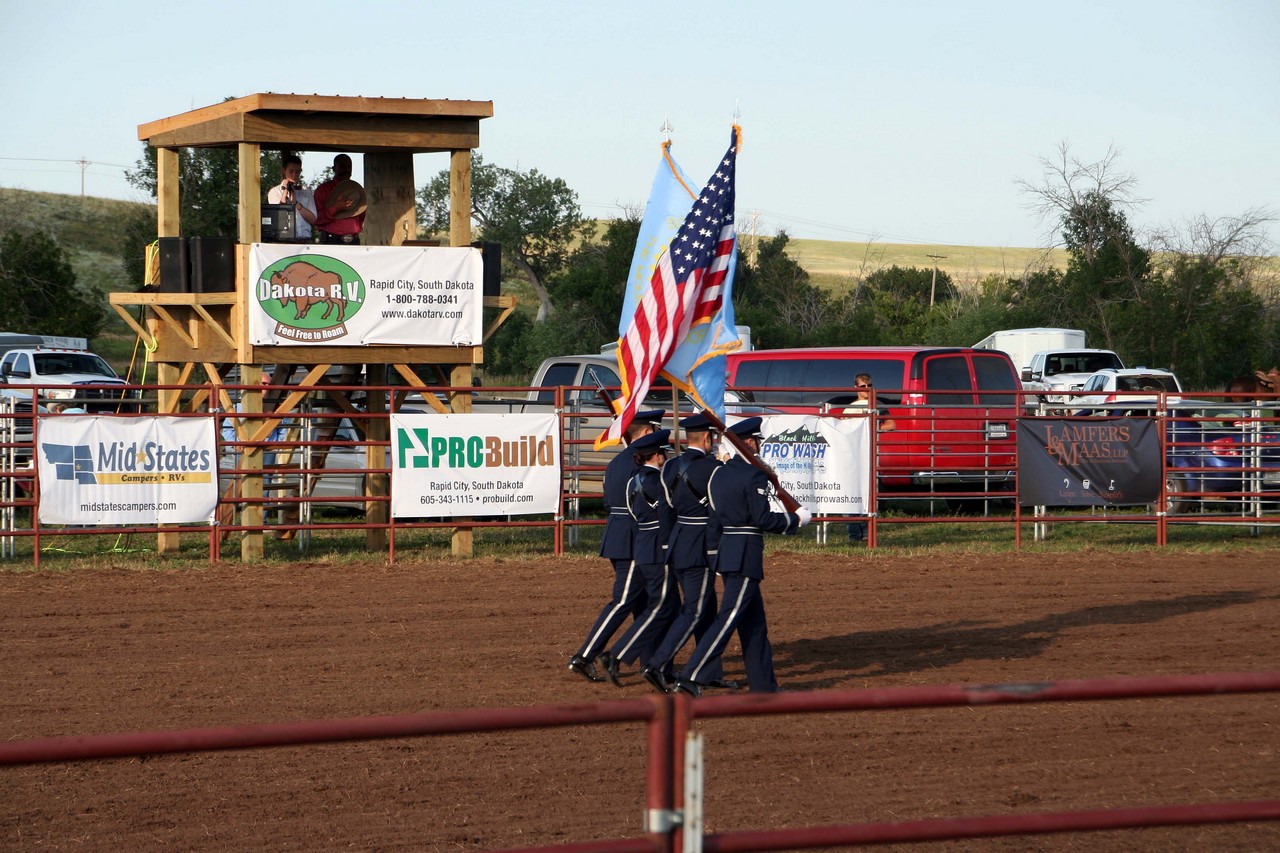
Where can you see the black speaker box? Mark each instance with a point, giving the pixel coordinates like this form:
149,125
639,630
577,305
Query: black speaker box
491,253
175,265
213,266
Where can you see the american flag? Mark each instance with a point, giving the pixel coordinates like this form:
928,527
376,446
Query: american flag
687,287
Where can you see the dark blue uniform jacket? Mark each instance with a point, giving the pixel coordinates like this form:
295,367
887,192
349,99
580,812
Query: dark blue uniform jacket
648,504
620,529
739,500
695,533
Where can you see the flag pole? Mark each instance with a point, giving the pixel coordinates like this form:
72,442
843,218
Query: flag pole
789,503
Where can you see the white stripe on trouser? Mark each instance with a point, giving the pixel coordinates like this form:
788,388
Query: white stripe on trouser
653,614
722,639
626,594
697,615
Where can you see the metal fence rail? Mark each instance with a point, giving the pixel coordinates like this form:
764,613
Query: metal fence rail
673,817
1220,458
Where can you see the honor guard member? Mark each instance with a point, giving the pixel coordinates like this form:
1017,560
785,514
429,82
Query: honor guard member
690,550
738,498
616,546
647,502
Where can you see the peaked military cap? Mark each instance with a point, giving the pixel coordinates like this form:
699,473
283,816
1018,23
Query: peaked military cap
653,441
649,416
749,428
696,423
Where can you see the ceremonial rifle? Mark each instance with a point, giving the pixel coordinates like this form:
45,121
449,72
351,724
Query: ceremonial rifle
789,503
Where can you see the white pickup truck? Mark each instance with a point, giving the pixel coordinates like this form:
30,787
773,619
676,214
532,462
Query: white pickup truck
1059,371
69,376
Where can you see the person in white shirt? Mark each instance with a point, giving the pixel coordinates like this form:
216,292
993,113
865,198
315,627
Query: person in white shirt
861,407
291,191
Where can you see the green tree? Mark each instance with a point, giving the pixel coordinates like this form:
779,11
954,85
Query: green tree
39,290
536,219
208,187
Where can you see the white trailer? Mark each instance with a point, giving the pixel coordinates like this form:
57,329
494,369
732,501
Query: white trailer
1022,344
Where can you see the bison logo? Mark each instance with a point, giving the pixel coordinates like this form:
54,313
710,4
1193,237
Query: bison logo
306,285
310,297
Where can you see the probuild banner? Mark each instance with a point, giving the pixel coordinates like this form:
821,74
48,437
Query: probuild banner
103,470
354,295
447,466
824,462
1088,461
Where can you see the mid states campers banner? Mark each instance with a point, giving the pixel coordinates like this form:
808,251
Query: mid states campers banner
825,463
449,466
1088,461
102,470
353,295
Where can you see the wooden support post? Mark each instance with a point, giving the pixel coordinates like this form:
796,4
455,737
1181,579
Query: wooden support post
168,224
460,198
250,156
392,215
167,374
168,204
376,485
463,542
251,547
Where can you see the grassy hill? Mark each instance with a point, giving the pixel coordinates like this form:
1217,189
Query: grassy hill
90,231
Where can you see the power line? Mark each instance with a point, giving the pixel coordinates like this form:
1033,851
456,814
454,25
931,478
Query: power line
83,163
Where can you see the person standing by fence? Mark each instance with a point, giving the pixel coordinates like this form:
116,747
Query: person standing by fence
861,407
738,497
690,550
647,503
617,546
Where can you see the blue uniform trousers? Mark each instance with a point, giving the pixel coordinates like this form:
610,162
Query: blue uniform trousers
697,613
650,626
628,600
741,609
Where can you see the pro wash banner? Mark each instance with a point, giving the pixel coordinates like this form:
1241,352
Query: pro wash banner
1088,461
354,295
447,466
104,470
824,462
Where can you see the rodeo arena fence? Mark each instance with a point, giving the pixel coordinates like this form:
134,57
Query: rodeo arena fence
673,816
117,467
123,469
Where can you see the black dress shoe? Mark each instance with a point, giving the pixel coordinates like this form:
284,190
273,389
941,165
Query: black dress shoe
724,684
585,668
690,688
656,678
610,664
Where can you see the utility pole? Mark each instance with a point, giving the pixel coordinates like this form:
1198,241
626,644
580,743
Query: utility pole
84,164
933,285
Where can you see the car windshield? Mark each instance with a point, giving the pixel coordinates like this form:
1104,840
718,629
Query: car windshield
1147,383
54,364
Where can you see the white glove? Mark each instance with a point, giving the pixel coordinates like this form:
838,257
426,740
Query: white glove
804,515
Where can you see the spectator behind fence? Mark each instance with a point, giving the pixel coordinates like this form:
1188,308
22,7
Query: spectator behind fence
861,407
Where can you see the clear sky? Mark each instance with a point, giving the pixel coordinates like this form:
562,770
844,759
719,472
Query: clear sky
899,122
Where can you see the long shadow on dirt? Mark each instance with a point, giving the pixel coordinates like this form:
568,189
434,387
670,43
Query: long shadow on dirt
804,663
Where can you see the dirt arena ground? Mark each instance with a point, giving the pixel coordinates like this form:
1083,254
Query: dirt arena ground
117,649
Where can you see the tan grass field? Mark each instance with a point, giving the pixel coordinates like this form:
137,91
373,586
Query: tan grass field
831,262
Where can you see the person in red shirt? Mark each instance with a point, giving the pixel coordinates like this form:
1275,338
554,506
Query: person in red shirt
341,219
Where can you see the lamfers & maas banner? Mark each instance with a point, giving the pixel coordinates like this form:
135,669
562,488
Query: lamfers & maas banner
356,295
450,466
120,471
1088,461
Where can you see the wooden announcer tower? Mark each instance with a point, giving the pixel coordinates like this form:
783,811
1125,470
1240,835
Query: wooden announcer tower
211,329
